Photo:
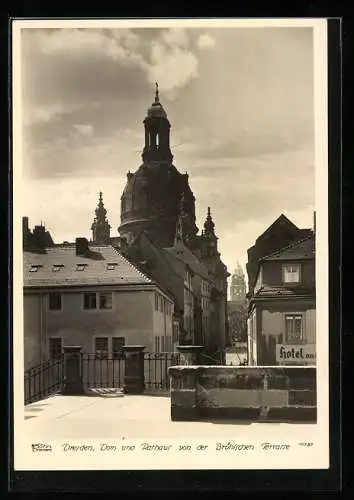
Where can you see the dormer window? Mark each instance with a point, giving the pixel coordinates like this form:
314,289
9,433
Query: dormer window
111,266
34,268
57,267
80,267
291,273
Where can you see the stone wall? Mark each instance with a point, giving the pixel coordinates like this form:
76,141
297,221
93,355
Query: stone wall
270,394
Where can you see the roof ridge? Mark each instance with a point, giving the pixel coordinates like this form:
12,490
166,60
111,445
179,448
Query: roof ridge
132,265
287,247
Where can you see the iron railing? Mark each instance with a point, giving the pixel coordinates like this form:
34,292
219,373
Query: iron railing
156,365
102,370
44,380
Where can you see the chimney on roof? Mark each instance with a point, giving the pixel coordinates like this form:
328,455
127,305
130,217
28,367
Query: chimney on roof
82,246
39,237
25,225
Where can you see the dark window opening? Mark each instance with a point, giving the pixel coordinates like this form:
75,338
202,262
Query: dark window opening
55,301
105,300
90,301
117,347
55,347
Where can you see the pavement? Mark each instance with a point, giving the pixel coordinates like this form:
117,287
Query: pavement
133,417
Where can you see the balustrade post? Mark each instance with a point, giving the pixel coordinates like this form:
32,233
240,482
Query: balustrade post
134,379
72,371
190,354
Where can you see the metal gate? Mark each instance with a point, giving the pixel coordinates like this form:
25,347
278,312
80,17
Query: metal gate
44,380
156,365
102,371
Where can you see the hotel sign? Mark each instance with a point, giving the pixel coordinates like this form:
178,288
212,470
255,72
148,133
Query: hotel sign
296,354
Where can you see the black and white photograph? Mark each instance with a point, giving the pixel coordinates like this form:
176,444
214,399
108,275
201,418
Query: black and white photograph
170,244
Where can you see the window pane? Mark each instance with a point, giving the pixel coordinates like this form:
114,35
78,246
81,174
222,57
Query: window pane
101,347
163,344
55,301
117,344
289,327
298,328
292,274
89,301
105,300
55,347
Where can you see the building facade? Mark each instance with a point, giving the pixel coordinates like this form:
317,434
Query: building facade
282,307
90,295
157,202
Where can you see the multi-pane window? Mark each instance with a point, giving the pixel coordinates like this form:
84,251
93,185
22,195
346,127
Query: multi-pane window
157,344
117,347
291,273
156,302
161,304
55,347
93,300
293,327
105,300
101,347
90,301
163,343
55,301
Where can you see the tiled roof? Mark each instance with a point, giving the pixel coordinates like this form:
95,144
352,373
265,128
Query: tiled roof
180,251
301,249
281,291
95,267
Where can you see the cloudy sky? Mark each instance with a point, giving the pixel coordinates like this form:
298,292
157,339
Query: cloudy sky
240,102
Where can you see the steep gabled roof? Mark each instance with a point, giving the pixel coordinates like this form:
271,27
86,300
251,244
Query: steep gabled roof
181,252
298,250
95,267
281,221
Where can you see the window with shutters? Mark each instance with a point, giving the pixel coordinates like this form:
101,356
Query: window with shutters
55,347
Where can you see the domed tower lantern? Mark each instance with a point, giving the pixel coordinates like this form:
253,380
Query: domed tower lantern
150,201
157,133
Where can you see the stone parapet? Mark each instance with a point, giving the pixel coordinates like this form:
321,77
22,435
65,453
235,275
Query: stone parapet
270,394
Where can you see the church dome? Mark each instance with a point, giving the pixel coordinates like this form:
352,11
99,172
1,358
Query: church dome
156,111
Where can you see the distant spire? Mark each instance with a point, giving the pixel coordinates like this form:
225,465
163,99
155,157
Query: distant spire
100,227
209,225
157,100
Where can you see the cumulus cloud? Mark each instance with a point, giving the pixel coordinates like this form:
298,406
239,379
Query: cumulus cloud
205,41
172,67
242,123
